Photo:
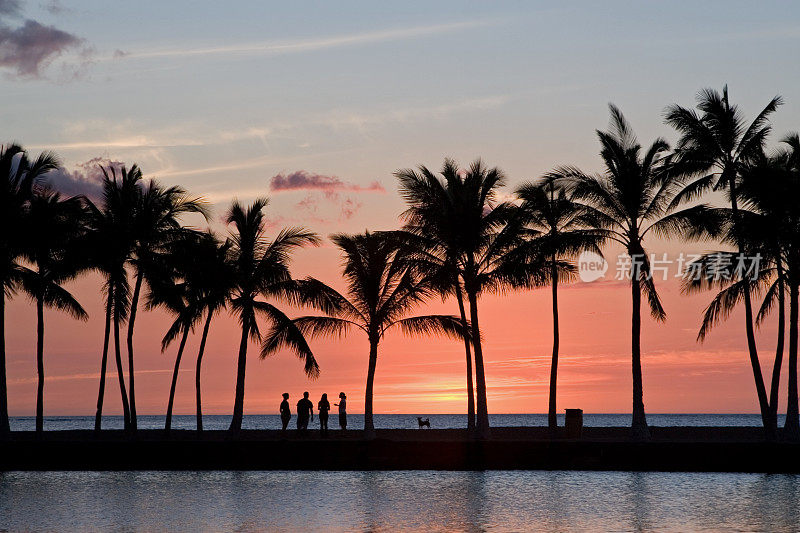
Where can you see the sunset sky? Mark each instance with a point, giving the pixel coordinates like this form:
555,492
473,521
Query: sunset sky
316,106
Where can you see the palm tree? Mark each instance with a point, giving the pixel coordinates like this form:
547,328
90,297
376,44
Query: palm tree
382,287
714,147
170,288
155,225
560,228
261,268
733,274
189,279
436,255
476,233
770,186
110,242
19,176
53,226
213,282
631,198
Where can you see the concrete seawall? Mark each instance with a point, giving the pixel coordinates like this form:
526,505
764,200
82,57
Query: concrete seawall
671,449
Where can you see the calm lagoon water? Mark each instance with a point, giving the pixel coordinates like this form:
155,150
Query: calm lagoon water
391,421
393,501
397,501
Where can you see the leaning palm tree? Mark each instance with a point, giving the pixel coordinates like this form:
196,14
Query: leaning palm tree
560,229
53,226
190,279
213,282
770,187
155,226
473,232
261,269
382,287
631,198
713,148
18,176
171,290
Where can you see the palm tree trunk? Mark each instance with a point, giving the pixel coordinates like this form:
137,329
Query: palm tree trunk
98,417
482,428
470,391
40,363
126,413
238,402
5,427
552,420
761,391
774,390
639,430
197,370
168,422
369,427
131,319
791,429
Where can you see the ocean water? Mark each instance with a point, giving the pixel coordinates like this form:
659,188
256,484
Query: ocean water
387,421
397,501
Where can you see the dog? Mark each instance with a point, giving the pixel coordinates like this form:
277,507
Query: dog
422,423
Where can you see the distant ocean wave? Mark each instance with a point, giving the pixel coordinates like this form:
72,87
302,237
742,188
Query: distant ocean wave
386,421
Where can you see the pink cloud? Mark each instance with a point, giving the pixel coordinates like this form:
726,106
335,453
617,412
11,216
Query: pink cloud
302,180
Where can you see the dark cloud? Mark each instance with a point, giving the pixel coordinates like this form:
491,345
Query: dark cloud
27,46
301,180
85,179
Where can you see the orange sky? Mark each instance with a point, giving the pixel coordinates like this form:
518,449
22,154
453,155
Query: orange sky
225,99
413,375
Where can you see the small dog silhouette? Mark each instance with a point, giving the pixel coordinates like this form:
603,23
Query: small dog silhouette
424,422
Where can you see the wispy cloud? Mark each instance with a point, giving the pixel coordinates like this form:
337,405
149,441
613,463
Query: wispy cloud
307,45
86,376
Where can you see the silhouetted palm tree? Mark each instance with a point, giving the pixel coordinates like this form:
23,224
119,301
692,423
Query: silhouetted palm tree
155,225
476,233
170,288
630,199
214,283
560,229
110,242
382,288
53,225
261,268
188,280
713,147
18,176
770,227
436,253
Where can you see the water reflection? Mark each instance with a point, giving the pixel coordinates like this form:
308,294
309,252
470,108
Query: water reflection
390,501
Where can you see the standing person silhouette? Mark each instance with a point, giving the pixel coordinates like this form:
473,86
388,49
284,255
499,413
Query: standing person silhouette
304,409
286,412
323,407
342,410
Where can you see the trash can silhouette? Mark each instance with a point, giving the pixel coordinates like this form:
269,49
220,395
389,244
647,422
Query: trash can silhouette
573,422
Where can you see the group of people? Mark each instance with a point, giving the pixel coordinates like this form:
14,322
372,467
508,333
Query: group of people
305,412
